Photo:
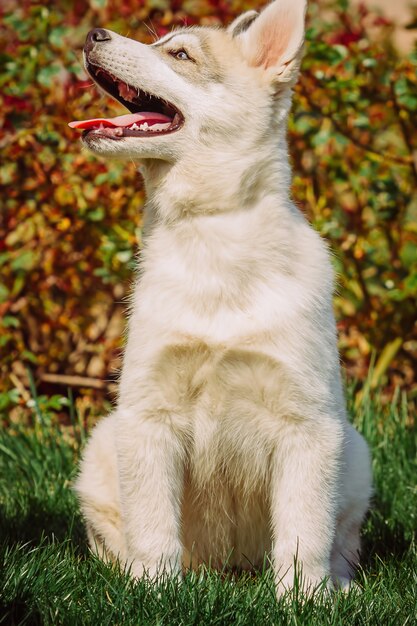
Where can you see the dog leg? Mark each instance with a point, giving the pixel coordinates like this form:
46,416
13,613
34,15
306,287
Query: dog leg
345,553
150,461
304,483
356,493
98,492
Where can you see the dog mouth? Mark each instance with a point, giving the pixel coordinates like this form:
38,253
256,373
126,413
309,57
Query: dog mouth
149,115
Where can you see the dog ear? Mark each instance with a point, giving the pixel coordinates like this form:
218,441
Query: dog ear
274,40
242,23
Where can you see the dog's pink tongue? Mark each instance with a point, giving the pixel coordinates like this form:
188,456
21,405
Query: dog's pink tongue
123,120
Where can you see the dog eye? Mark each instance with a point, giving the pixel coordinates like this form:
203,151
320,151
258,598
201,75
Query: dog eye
181,55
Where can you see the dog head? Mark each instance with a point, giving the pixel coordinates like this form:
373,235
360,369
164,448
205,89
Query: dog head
202,85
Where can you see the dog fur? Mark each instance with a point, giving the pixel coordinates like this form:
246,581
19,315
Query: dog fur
230,439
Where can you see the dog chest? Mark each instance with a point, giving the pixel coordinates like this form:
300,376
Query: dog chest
228,405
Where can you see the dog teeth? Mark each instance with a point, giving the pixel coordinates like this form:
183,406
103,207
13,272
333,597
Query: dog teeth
155,128
160,127
176,120
126,92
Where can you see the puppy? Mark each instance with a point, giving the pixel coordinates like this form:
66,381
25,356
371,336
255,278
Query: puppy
230,439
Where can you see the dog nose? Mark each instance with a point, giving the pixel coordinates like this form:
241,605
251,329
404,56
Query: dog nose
95,36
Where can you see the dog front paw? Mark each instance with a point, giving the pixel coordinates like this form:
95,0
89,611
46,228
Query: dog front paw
301,579
154,569
346,584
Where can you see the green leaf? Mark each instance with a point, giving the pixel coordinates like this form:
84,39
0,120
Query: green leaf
4,293
29,356
410,285
321,138
46,75
56,36
406,93
24,261
10,321
97,215
9,398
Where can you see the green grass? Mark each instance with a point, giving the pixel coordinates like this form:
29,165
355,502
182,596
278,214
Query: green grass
48,576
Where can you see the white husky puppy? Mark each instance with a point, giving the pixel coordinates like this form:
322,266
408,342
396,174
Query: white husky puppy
230,439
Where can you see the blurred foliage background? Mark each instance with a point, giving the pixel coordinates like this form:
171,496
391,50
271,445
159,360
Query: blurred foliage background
70,224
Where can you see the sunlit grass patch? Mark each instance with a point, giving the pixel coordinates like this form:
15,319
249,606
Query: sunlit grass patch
48,576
